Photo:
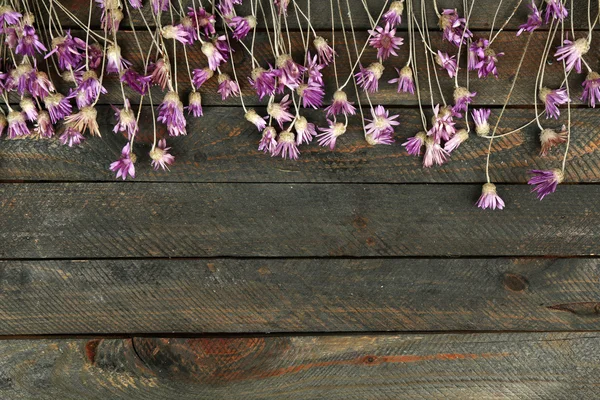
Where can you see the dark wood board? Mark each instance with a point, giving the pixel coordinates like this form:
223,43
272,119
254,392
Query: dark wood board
311,295
449,366
490,91
222,147
106,220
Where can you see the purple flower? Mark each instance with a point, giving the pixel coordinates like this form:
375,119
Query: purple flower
58,106
43,126
591,89
268,143
85,119
414,144
443,124
455,30
95,55
476,53
195,104
8,16
313,69
551,100
545,182
28,108
368,78
115,63
340,105
434,153
263,81
311,94
126,120
572,52
110,19
161,158
203,20
177,32
16,125
381,122
384,40
555,9
22,78
200,76
159,6
252,117
242,26
405,80
394,14
214,56
487,65
384,137
227,87
550,138
135,4
170,113
447,62
534,20
329,135
135,81
282,6
462,98
290,72
489,198
222,46
459,138
305,131
67,50
286,146
41,86
71,137
160,72
279,111
125,165
325,52
88,91
480,117
29,43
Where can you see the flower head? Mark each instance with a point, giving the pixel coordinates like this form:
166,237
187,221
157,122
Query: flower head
8,16
43,125
447,62
325,52
454,27
480,117
442,124
555,10
381,123
214,56
29,43
414,144
340,105
68,51
135,81
115,63
489,198
591,89
311,94
552,99
253,117
41,86
170,113
290,73
459,137
405,80
329,135
227,87
545,181
88,90
242,26
177,32
195,104
126,120
368,78
58,106
305,131
279,111
434,153
268,143
71,137
286,146
534,20
85,119
572,52
161,158
462,98
313,69
125,165
385,41
263,81
200,76
203,20
28,108
16,125
160,72
550,138
393,15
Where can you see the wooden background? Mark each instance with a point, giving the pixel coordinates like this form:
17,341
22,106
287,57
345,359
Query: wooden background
352,274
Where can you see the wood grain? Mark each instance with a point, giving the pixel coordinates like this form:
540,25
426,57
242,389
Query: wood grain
222,147
481,17
442,366
490,91
101,220
314,295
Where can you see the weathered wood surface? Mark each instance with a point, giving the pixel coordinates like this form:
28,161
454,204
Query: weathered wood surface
442,366
222,147
490,91
481,17
104,220
320,295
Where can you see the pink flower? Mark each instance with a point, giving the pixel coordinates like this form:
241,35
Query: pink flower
405,80
161,158
447,62
290,73
381,122
305,131
545,181
368,78
443,124
459,138
434,153
279,111
454,27
552,99
29,43
227,87
263,81
268,143
242,26
200,76
86,118
71,137
195,104
414,144
203,20
555,9
170,113
340,105
591,89
550,138
394,14
329,135
572,52
126,120
311,94
125,165
286,146
16,125
384,40
160,71
462,98
43,126
480,117
534,20
214,56
115,63
325,52
177,32
252,117
489,198
28,108
58,107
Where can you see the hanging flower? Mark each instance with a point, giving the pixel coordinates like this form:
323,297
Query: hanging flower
381,123
572,53
325,52
58,107
286,146
290,73
214,56
405,80
195,104
462,98
368,78
329,135
414,144
177,32
434,153
263,81
203,20
17,126
447,62
200,76
85,119
125,165
161,158
29,43
41,86
28,108
393,16
442,124
385,41
480,117
242,26
340,105
137,82
591,89
489,198
170,113
454,27
268,143
43,125
552,99
311,94
305,131
115,63
160,72
545,181
252,117
459,137
71,137
534,20
279,111
126,120
550,138
555,10
227,87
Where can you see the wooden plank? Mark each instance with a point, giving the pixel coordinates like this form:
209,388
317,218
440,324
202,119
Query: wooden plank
314,295
222,147
450,366
102,220
481,17
490,91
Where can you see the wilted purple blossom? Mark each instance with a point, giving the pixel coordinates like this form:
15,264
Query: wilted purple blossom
405,80
414,144
311,94
381,123
227,87
434,153
279,111
17,126
368,78
286,146
340,105
125,165
480,117
555,10
170,113
195,104
545,181
200,76
393,16
447,62
268,143
161,158
305,131
71,137
572,52
552,99
453,27
328,136
534,20
489,198
325,52
263,81
591,89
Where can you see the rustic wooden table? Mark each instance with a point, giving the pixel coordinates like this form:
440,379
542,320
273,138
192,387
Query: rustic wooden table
353,274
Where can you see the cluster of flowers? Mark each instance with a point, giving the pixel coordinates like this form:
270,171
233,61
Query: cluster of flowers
289,85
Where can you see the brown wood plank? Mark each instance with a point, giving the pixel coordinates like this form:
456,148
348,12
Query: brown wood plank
222,147
490,91
318,295
106,220
449,366
481,17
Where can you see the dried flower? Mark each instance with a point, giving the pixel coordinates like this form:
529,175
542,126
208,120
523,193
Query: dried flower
329,135
8,16
311,94
305,131
203,20
552,99
405,80
414,144
550,138
459,137
290,72
242,26
381,123
591,89
29,43
268,143
480,117
462,98
115,63
434,153
572,53
160,72
170,113
325,52
16,125
489,198
28,108
177,32
161,158
71,137
195,104
58,106
545,181
252,117
85,119
279,111
214,56
41,86
263,81
368,78
286,146
200,76
126,164
385,41
43,126
442,124
340,105
393,16
126,120
447,62
68,51
454,27
227,87
135,81
555,9
534,20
